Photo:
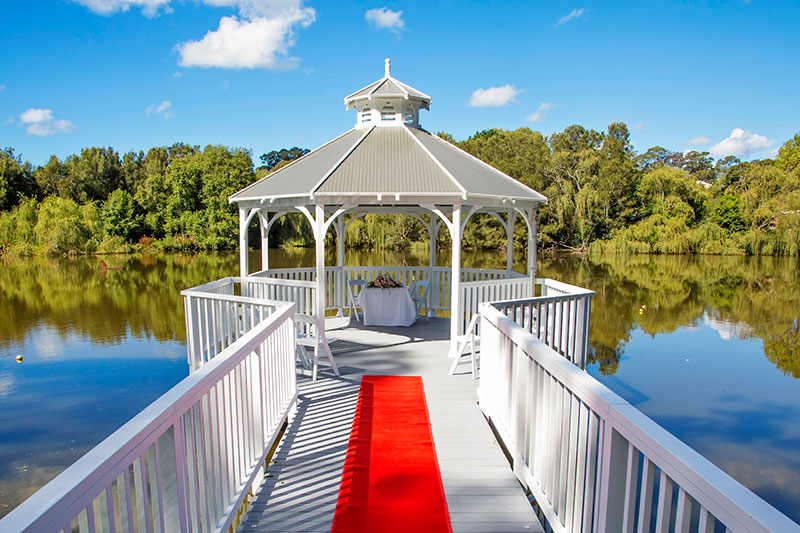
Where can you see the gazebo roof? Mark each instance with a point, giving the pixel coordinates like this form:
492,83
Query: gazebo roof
388,161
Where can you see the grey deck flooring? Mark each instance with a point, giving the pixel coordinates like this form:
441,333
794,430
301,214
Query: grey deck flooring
302,484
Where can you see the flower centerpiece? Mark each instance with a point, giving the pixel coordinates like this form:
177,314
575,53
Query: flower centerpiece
384,282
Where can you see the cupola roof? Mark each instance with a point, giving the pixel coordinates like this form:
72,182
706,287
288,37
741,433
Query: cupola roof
387,88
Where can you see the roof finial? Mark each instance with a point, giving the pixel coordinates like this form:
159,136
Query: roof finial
388,67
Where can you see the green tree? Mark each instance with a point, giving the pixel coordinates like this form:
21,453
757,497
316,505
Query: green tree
700,165
789,155
523,154
726,211
50,176
92,175
120,217
16,179
61,226
198,189
273,159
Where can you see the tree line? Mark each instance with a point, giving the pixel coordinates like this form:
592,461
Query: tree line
603,196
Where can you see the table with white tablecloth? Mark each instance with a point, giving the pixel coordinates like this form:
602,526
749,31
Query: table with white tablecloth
387,307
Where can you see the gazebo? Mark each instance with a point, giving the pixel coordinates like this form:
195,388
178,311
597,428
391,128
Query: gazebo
387,163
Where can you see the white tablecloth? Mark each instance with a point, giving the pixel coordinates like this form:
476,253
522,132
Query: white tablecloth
387,307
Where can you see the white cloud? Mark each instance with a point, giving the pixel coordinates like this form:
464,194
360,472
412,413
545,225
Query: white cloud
6,385
107,7
741,143
385,18
178,74
164,109
259,43
541,112
34,114
2,87
494,96
43,129
698,141
41,122
259,37
574,14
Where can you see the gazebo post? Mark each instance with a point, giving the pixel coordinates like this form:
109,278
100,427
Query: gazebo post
341,279
512,216
243,260
433,230
455,279
264,222
319,234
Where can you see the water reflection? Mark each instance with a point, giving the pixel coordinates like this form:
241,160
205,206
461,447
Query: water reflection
707,346
745,297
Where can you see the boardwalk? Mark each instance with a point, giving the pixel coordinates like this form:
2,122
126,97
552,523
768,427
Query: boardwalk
300,491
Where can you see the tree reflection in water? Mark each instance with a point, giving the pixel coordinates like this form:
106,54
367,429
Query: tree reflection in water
122,319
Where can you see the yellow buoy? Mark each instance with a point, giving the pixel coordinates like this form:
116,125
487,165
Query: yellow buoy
19,359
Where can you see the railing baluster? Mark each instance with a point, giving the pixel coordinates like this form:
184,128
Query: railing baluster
646,497
683,512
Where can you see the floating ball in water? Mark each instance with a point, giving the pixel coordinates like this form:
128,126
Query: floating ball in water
19,359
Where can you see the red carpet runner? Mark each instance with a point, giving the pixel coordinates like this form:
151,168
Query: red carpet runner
391,478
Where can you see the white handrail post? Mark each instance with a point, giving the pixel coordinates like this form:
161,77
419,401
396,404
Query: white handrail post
534,228
263,220
433,231
319,224
340,277
455,282
243,266
512,216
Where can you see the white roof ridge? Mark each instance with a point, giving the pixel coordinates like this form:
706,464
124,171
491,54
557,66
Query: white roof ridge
340,161
364,88
400,85
408,88
487,165
437,162
271,174
378,86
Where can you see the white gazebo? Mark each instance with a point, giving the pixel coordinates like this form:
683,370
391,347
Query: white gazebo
387,163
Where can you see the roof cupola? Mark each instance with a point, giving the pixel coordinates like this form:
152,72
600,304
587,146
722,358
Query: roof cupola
387,102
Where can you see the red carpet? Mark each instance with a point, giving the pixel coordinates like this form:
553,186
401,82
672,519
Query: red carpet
391,478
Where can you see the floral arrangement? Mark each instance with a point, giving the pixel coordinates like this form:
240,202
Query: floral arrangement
384,282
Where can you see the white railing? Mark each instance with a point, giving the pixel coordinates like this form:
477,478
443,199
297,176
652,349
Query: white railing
216,318
336,279
559,317
335,296
474,293
284,290
594,462
297,274
187,461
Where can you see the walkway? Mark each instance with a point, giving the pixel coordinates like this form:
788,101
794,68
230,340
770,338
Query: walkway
300,491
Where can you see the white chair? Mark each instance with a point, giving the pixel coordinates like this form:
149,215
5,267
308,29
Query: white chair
308,328
420,293
472,340
352,296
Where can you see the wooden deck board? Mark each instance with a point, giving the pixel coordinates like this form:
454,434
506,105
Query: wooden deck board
302,486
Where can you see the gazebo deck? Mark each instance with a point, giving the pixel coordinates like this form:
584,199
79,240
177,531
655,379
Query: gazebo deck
302,483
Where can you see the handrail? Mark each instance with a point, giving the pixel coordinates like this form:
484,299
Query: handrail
593,461
187,461
215,320
561,321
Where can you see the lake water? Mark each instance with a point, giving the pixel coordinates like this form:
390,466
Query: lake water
709,347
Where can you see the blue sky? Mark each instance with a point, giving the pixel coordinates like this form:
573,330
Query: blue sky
266,74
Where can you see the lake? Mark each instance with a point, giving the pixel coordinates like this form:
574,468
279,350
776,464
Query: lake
709,347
